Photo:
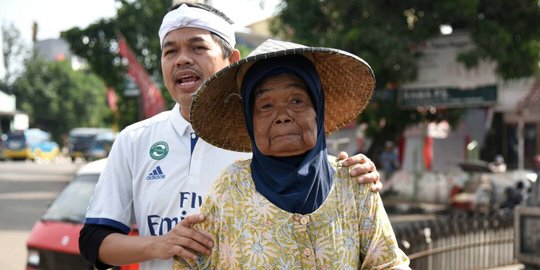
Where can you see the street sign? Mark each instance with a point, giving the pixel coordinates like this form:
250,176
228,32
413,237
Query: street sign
446,97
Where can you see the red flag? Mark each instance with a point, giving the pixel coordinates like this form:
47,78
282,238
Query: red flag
151,98
428,152
112,99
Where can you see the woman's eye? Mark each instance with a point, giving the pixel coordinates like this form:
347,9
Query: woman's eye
266,106
297,101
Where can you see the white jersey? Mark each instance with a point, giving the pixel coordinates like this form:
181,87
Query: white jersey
158,174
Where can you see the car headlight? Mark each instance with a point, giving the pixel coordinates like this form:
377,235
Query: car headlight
33,257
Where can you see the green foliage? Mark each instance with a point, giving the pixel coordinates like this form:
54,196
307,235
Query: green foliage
385,33
244,50
97,44
57,98
13,50
505,31
139,22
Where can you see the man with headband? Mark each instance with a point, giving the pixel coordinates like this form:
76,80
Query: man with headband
158,171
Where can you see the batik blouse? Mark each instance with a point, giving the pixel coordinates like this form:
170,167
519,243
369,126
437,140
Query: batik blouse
350,230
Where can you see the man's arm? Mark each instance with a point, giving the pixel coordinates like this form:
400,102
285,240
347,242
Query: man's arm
363,169
113,194
120,249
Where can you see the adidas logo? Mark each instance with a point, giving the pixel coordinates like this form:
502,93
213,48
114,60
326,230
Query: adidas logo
157,173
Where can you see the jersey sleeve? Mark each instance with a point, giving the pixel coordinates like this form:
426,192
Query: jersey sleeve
112,201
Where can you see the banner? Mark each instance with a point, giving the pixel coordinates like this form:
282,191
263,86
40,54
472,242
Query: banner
447,97
112,99
428,152
151,99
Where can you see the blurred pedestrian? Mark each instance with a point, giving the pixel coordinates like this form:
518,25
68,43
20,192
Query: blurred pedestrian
484,195
537,165
513,196
498,165
361,140
534,189
158,170
389,160
522,191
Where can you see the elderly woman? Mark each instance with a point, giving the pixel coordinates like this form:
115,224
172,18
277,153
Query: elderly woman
289,207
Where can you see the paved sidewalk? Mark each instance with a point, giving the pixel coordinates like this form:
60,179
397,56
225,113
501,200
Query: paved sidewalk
509,267
13,249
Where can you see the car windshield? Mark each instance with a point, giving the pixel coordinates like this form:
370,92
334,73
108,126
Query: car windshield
35,136
15,137
83,138
72,202
98,145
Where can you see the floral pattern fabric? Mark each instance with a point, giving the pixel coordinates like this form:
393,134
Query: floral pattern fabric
350,230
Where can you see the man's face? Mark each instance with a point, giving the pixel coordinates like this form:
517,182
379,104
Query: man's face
189,56
284,120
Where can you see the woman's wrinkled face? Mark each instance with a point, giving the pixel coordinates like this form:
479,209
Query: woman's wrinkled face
284,119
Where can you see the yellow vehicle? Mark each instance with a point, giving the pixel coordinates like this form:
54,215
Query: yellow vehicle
30,144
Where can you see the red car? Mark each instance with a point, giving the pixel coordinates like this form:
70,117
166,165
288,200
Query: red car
54,241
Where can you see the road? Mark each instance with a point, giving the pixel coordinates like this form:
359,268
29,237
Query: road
26,189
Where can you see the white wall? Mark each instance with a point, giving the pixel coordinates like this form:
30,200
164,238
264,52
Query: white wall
7,102
438,67
21,121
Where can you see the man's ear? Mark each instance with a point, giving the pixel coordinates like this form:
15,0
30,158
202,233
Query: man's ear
235,56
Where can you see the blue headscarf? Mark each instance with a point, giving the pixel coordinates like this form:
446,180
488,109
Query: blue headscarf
296,184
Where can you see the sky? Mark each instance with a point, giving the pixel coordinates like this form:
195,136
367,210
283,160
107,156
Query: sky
54,16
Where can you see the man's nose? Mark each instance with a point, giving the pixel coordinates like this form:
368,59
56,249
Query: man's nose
183,58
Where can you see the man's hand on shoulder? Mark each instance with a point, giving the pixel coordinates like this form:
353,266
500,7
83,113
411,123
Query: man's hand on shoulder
185,242
363,169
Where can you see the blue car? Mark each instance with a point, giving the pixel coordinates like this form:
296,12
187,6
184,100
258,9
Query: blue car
30,144
81,140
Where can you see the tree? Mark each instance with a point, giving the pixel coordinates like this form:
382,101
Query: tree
58,98
385,33
13,52
502,32
139,22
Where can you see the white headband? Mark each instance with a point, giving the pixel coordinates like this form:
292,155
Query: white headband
185,16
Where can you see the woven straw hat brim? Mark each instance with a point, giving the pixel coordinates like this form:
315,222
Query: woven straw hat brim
217,113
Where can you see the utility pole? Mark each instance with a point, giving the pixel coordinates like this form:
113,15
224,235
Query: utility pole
521,140
34,32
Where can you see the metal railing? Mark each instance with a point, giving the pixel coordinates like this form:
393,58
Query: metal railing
458,242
